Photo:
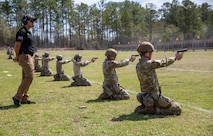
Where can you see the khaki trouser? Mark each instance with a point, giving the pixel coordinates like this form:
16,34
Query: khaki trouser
27,64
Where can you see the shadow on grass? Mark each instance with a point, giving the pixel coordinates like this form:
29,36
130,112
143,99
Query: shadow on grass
136,117
69,86
7,107
51,81
99,100
41,76
65,86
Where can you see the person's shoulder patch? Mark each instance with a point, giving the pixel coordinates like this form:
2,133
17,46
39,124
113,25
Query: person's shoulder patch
20,38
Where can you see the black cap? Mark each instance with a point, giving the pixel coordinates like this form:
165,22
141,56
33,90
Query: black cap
26,18
29,17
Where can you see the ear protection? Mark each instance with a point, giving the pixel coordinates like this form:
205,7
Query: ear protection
25,19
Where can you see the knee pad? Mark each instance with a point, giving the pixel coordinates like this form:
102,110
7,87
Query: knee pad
139,97
107,90
148,101
163,102
145,99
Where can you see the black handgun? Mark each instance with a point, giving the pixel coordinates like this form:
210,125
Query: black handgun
182,50
135,55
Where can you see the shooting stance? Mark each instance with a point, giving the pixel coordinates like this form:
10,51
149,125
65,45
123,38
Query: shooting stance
111,88
45,71
78,78
151,98
60,76
24,50
10,52
36,62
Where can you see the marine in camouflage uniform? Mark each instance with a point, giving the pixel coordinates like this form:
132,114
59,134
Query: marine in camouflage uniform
78,78
36,63
60,76
111,88
151,99
10,52
45,71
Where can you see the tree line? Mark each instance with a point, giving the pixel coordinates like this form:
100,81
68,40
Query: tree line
62,23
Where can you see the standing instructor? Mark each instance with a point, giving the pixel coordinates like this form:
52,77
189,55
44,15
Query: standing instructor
24,50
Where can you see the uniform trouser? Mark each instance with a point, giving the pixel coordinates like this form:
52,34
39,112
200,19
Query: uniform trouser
80,81
61,77
46,72
27,64
163,105
114,91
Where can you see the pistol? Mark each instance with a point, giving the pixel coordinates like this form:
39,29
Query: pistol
135,55
182,50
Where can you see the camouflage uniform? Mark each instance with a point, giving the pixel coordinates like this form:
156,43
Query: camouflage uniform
79,80
111,88
153,102
36,62
60,76
10,52
45,65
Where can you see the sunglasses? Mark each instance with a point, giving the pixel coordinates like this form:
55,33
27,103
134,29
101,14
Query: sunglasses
31,21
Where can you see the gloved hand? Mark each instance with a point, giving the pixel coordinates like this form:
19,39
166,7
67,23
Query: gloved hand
93,60
178,56
132,58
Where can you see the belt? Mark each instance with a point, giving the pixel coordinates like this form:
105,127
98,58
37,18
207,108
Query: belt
30,53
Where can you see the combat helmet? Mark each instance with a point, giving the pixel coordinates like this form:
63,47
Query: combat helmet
111,52
46,54
145,47
36,55
59,57
77,56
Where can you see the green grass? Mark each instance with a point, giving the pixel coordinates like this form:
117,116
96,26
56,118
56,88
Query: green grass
57,112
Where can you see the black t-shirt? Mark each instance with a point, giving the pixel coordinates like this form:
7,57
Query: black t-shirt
25,36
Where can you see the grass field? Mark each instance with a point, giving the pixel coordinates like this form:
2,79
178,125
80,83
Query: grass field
57,112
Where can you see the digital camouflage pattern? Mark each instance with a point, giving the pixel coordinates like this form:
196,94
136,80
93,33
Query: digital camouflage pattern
145,47
150,95
112,90
10,52
78,78
36,63
111,52
77,67
45,65
60,76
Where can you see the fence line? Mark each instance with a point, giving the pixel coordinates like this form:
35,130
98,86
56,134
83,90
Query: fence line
172,46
